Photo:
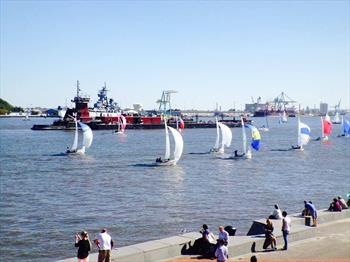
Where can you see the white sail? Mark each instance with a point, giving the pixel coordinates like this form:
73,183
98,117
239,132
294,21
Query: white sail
167,142
75,142
87,135
284,118
244,137
217,135
322,136
123,122
303,134
336,118
226,136
179,143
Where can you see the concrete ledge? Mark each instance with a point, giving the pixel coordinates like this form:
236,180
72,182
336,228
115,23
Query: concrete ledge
167,248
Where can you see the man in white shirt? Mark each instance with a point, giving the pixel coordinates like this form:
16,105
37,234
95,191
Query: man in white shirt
285,229
105,244
223,235
221,253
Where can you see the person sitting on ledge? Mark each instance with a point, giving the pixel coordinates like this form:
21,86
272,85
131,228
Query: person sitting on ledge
342,203
203,246
335,206
276,214
312,211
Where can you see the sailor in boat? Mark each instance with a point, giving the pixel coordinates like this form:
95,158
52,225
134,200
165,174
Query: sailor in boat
160,160
238,155
70,151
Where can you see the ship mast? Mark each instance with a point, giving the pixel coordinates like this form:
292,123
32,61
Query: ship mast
78,88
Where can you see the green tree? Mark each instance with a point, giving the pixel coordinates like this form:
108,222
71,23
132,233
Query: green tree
5,107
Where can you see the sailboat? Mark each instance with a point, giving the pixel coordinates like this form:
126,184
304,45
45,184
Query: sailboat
265,128
177,150
336,118
121,125
255,144
26,117
87,139
284,117
326,127
345,128
226,138
303,136
180,124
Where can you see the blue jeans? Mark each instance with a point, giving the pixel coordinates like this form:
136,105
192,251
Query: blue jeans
285,238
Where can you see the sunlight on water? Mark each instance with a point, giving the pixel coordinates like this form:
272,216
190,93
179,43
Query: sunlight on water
46,196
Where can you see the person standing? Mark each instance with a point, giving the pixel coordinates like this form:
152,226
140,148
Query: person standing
82,242
285,229
221,253
270,239
223,235
105,244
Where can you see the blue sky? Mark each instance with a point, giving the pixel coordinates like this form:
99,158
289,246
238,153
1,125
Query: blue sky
209,51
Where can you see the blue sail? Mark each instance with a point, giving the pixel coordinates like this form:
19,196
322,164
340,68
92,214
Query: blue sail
255,137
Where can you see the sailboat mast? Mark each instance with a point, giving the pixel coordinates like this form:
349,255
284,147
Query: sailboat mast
244,138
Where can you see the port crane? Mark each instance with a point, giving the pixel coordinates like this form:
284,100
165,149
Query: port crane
164,101
281,101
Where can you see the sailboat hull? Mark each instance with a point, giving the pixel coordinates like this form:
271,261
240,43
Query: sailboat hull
167,163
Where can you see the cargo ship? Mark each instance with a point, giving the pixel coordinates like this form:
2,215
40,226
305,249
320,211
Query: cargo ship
106,115
282,103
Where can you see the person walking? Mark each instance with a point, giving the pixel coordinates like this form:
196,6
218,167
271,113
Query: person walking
82,242
105,244
285,229
221,253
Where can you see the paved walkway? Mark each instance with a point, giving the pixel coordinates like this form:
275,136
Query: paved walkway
330,245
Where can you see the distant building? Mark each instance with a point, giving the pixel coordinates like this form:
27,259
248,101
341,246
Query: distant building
52,112
323,109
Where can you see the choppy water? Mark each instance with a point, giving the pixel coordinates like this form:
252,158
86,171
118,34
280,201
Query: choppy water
47,197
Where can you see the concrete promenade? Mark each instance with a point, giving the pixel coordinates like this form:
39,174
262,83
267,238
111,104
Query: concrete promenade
329,241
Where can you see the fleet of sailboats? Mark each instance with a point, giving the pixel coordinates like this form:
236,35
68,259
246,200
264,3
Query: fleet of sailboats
223,138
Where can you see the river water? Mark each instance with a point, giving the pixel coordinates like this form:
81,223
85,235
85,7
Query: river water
46,196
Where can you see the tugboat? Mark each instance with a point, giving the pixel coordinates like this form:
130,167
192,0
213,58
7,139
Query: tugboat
107,115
